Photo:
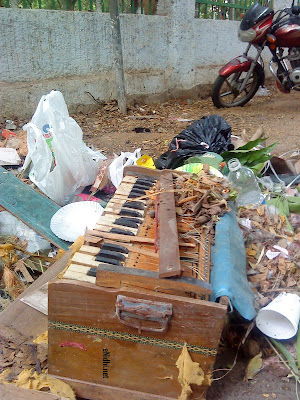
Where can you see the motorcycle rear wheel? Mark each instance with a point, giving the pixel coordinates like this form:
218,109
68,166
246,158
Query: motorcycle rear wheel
225,91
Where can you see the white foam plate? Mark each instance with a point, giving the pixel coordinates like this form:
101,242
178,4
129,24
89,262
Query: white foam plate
72,220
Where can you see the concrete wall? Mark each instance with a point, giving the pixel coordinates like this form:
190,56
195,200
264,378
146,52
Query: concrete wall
164,55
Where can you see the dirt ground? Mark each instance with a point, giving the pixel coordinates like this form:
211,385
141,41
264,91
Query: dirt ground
109,132
279,115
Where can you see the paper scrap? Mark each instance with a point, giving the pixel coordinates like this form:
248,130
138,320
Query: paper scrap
272,254
246,222
284,252
9,156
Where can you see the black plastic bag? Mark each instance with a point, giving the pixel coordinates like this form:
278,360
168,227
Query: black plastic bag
208,134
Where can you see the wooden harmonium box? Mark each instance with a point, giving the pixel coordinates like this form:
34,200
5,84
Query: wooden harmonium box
131,318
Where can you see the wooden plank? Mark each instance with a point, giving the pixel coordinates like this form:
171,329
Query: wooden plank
31,207
12,392
169,258
93,391
24,319
116,276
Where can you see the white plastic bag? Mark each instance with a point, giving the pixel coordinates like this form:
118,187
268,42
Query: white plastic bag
61,163
10,225
116,168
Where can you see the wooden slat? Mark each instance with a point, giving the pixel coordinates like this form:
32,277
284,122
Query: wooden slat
120,238
12,392
169,258
120,276
31,207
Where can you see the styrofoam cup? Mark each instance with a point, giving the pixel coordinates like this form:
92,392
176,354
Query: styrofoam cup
280,318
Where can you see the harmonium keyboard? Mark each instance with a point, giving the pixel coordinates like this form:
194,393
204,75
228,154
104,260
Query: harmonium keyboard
130,317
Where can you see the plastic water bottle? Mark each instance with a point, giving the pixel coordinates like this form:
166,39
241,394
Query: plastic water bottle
245,183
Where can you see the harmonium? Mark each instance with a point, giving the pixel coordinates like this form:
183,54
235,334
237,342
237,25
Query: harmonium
130,316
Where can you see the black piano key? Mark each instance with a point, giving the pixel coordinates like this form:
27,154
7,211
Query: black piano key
108,260
115,247
134,194
144,183
110,254
129,224
146,178
92,272
129,219
135,189
137,205
121,232
141,186
130,213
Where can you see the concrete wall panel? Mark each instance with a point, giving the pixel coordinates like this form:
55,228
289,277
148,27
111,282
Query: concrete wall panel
164,55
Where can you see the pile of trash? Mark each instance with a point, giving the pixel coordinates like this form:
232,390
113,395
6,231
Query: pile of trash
60,167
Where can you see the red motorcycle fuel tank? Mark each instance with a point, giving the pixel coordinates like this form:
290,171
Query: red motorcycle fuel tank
262,29
288,33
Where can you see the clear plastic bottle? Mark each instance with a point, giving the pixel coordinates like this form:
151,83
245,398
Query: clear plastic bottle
245,183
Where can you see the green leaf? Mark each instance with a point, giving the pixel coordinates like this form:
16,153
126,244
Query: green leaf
298,347
252,143
290,359
250,158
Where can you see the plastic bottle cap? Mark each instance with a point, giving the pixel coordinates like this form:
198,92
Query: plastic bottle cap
234,164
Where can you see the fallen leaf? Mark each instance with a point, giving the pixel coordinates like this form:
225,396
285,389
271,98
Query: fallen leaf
253,367
43,338
190,372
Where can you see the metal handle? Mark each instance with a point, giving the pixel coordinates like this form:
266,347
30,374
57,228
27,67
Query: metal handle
143,314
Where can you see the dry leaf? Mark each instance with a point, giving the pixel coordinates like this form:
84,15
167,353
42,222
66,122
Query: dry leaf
253,367
13,284
261,210
4,374
43,338
251,252
282,265
190,372
29,380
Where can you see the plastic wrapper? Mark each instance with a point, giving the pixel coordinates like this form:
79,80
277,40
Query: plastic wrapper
61,164
116,168
208,134
12,226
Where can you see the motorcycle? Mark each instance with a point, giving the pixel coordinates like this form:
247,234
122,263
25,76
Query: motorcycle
239,80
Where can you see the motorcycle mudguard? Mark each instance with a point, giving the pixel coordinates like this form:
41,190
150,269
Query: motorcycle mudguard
238,64
242,64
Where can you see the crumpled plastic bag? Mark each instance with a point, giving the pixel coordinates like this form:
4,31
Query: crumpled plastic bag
61,164
10,225
116,168
208,134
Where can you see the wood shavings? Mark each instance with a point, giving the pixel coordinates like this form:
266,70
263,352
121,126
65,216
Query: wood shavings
201,197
